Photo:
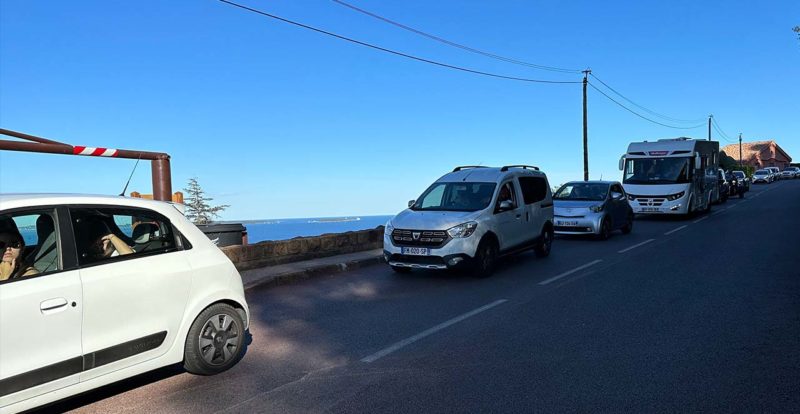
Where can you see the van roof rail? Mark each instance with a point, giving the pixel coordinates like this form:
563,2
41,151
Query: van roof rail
524,167
466,167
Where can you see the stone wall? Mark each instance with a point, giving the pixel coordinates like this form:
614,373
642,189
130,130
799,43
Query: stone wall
270,253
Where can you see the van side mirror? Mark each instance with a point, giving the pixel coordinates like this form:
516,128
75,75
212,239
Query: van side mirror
411,203
698,163
622,163
505,205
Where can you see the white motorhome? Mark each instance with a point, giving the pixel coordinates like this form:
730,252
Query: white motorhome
671,176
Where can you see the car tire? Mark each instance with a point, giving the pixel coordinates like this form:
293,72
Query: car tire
401,269
485,258
605,229
628,227
215,341
545,245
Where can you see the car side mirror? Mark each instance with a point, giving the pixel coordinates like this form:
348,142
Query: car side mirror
505,205
617,196
411,203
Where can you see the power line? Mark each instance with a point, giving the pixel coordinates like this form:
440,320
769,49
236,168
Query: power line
721,132
640,115
454,44
645,109
405,55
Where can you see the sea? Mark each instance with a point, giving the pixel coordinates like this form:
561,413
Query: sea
284,229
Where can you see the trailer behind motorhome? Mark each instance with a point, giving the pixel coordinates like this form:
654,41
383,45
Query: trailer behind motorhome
671,176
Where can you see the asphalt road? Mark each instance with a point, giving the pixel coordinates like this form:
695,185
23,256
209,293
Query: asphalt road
680,315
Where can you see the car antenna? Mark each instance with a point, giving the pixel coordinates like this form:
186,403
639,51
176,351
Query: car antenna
122,194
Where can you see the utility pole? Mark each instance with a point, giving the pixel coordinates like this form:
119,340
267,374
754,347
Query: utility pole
741,167
585,128
709,126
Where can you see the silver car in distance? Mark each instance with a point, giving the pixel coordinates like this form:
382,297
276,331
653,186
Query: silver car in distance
592,207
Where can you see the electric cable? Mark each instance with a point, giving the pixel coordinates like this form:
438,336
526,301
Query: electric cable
394,52
640,115
454,44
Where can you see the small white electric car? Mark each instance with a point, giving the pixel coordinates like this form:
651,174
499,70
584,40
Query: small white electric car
95,289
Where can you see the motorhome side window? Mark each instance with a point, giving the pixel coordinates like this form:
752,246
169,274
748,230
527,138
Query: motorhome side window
105,234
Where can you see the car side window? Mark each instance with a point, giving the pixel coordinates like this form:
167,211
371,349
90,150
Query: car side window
534,189
29,245
110,234
507,193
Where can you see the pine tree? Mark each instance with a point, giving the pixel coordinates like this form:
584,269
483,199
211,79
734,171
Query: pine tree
197,208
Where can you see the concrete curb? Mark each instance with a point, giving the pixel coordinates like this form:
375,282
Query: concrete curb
310,272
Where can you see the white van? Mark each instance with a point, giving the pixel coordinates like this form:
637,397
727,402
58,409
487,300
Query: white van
470,217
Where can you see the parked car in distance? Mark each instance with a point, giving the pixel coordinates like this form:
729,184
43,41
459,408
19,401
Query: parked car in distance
592,207
735,185
724,186
762,176
470,217
743,178
108,288
790,172
776,173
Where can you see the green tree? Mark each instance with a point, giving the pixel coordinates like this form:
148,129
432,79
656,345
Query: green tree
198,210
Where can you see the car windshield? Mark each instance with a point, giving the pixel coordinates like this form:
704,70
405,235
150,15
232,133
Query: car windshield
455,197
739,174
657,171
582,191
761,172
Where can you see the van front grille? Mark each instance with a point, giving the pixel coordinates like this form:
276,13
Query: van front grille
419,238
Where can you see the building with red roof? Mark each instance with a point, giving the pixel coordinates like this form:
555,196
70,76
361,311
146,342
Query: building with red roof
759,154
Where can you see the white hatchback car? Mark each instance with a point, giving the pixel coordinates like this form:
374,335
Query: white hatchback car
95,289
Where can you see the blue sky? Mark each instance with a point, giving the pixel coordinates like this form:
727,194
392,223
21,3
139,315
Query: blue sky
281,122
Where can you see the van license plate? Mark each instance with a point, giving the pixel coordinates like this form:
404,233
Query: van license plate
566,223
416,251
651,209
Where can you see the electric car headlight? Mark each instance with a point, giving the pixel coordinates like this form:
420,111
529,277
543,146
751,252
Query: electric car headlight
597,208
463,230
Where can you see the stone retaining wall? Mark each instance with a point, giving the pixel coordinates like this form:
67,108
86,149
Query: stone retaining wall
270,253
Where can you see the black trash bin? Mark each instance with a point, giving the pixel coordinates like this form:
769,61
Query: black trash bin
229,234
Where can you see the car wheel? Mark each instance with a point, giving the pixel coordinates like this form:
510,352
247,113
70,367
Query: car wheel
485,258
545,244
401,269
628,227
215,341
605,229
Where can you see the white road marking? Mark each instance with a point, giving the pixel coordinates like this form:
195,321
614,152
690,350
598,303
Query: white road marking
636,245
569,272
386,351
718,211
700,219
674,230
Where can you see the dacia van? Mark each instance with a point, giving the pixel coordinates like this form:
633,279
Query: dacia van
470,217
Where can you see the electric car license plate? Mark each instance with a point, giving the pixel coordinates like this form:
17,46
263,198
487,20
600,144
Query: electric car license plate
416,251
651,209
567,223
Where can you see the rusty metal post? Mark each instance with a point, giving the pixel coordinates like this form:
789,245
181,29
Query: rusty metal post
162,179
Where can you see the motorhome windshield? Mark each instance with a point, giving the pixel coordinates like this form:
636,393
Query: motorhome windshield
657,170
455,197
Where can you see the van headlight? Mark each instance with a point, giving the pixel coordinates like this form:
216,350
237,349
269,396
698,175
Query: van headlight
674,197
463,230
388,229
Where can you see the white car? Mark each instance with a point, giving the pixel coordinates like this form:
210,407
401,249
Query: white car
95,289
470,217
762,176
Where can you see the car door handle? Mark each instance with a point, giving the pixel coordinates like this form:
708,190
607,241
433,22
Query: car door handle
53,305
